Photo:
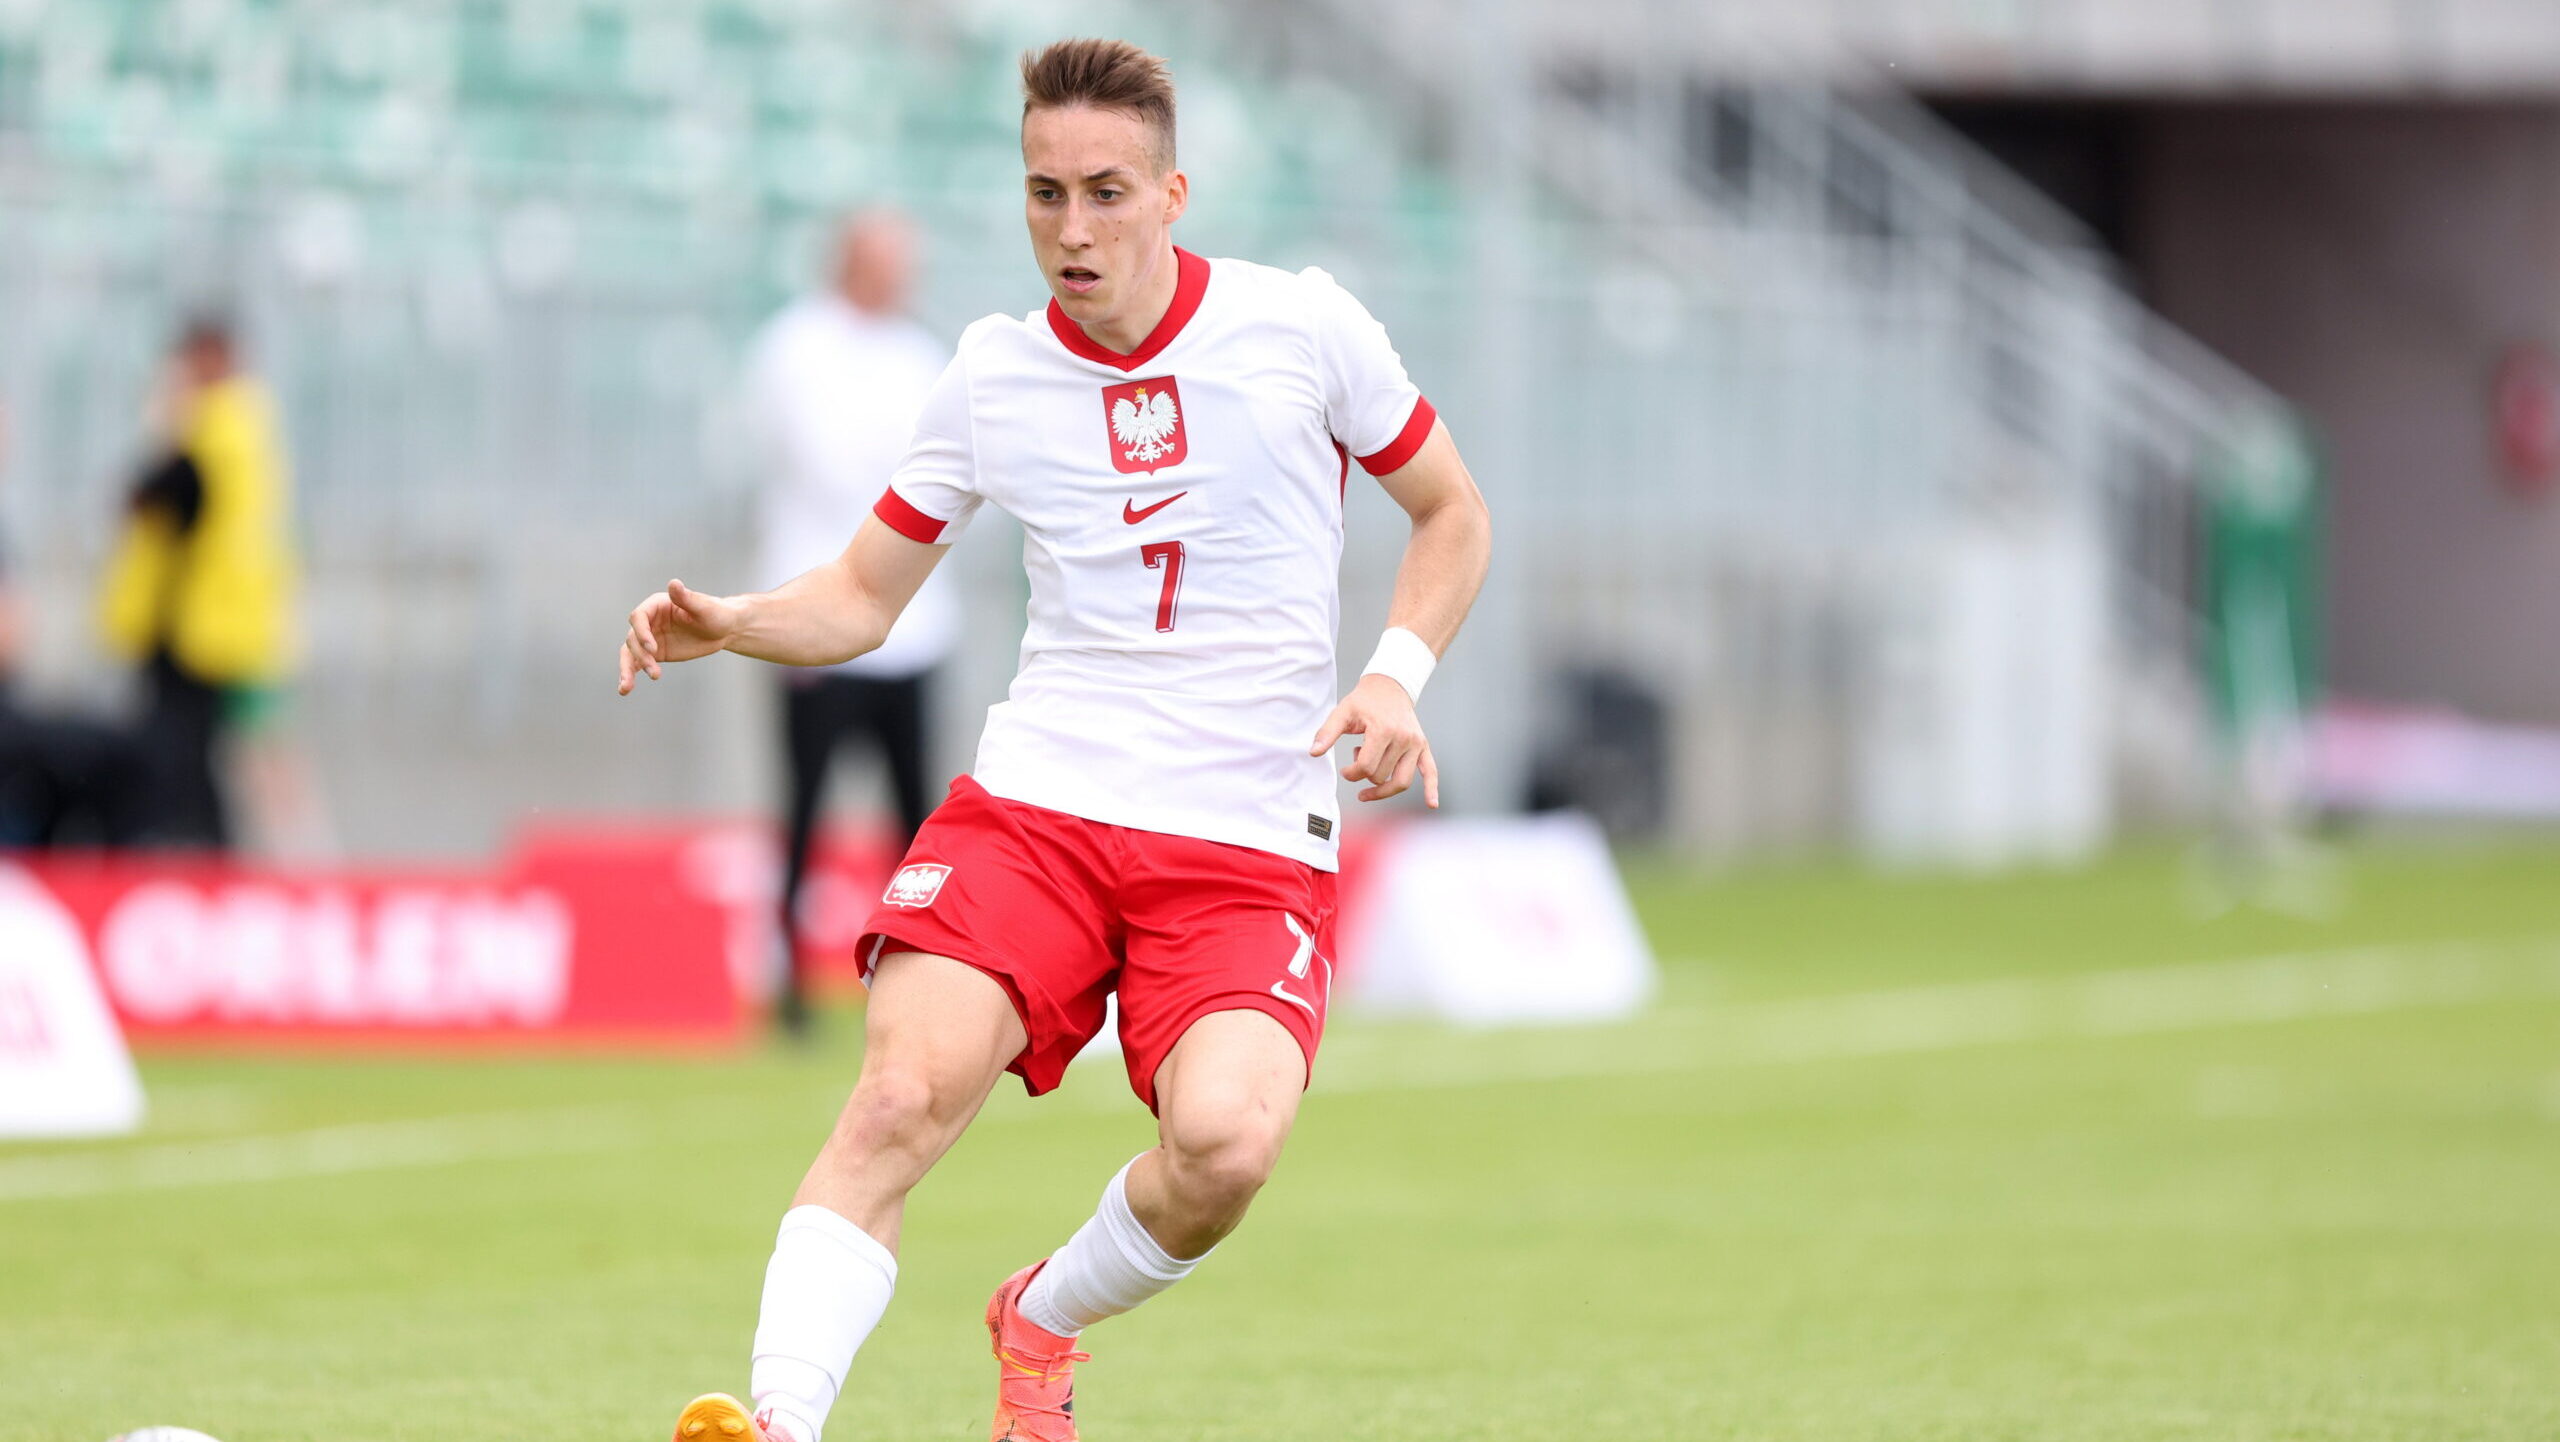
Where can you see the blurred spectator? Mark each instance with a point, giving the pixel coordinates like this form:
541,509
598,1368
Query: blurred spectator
834,383
200,591
61,779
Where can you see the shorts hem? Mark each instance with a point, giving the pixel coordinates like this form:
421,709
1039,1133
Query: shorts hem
1305,1030
1048,1077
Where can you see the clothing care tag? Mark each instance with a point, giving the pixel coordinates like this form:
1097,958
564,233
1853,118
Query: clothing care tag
64,1071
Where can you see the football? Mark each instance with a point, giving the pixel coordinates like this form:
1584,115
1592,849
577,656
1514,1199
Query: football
162,1434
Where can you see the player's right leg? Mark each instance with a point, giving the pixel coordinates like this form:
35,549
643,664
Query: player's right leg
938,1034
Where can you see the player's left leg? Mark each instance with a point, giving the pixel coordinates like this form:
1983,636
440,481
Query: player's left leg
1226,1095
1223,984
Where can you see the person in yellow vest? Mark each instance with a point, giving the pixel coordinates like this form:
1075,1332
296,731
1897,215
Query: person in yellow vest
200,592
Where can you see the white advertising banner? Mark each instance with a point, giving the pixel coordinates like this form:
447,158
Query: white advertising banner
1502,921
1498,921
64,1071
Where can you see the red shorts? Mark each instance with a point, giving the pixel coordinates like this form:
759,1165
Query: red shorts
1062,911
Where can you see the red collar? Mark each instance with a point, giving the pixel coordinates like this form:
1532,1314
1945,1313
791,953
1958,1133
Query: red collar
1191,281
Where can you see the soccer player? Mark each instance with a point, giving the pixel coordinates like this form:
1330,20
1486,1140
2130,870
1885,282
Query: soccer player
1151,811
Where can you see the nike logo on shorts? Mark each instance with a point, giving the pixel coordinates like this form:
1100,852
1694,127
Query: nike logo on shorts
1299,962
1129,509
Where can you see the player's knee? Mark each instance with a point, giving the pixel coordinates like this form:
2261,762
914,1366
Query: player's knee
894,1108
1220,1164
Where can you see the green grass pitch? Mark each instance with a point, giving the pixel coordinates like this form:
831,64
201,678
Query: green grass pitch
2043,1157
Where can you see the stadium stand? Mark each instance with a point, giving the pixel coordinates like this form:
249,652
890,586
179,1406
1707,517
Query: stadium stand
1763,380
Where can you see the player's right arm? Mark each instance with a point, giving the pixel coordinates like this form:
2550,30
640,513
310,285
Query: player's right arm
844,608
829,614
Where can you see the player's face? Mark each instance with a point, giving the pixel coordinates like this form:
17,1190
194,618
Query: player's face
1100,218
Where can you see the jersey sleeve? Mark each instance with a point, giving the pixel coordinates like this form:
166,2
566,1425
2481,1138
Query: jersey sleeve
1374,409
934,491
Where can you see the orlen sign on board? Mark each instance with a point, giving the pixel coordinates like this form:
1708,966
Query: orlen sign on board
176,952
592,952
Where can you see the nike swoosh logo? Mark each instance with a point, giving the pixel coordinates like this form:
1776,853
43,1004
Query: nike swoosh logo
1129,509
1283,993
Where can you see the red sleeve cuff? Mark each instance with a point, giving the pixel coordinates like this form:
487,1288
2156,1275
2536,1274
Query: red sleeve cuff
906,520
1417,429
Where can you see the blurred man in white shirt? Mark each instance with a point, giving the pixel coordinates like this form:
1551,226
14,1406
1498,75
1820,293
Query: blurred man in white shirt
834,383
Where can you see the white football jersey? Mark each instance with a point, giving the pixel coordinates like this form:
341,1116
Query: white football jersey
1181,510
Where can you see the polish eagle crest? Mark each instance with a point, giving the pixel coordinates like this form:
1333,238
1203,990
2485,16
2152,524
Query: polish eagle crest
1144,424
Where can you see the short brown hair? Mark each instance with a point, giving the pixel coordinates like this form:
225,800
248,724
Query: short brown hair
1107,75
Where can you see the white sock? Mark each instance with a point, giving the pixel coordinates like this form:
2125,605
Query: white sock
1110,1265
824,1291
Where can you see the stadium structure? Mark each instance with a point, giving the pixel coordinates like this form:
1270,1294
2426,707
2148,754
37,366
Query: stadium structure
1849,486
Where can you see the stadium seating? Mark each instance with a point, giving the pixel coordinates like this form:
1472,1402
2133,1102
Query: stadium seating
499,255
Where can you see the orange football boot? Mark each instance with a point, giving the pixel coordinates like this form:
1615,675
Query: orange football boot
1035,1370
719,1417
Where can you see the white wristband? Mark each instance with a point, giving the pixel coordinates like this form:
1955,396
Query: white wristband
1403,658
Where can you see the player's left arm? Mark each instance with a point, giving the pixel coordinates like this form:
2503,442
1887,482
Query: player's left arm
1436,582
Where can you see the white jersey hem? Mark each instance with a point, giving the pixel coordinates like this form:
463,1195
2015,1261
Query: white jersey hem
1321,855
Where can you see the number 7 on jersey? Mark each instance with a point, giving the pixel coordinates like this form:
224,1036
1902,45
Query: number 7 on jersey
1165,556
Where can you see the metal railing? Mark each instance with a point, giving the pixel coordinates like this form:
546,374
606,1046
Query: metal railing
1733,362
1862,344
